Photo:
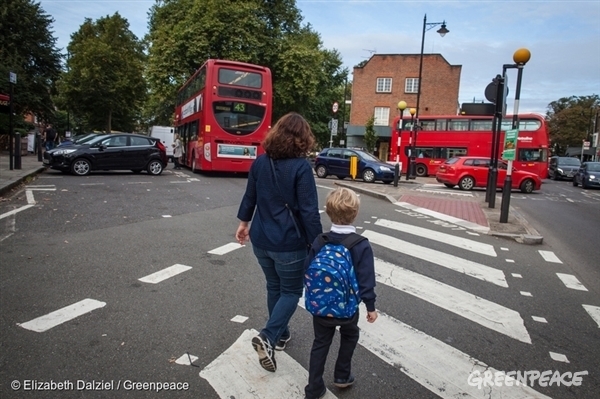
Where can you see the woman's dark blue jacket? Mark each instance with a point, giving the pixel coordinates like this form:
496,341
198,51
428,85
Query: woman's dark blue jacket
272,227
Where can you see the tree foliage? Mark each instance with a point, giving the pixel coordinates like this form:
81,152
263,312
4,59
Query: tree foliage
570,120
28,49
104,82
183,34
370,135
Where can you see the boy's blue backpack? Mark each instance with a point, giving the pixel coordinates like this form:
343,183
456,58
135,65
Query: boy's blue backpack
331,288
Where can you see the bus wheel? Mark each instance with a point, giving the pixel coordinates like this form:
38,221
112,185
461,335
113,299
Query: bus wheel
527,186
421,170
466,183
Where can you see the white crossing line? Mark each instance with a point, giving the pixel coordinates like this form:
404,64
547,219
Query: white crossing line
470,268
594,312
435,365
29,195
236,373
222,250
447,218
164,274
53,319
539,319
446,192
15,211
571,281
449,239
549,256
481,311
559,357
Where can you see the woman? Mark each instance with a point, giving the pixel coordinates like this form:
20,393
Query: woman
177,152
282,203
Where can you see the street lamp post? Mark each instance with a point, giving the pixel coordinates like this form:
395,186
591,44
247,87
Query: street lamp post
442,31
401,107
520,57
411,145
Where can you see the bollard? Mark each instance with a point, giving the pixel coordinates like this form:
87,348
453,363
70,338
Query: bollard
17,150
396,174
38,146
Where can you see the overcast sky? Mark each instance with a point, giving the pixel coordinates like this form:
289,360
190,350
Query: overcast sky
562,36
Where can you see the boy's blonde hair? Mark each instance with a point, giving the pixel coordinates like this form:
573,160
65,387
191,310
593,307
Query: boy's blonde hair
342,206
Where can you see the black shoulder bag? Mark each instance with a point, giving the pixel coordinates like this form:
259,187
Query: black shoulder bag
284,201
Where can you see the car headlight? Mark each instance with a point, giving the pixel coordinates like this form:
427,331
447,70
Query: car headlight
64,152
384,169
560,170
592,177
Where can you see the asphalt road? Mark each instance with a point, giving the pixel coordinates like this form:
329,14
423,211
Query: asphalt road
452,300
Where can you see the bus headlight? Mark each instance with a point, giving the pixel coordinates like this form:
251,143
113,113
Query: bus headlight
207,152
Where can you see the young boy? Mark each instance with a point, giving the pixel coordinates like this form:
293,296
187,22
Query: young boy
342,208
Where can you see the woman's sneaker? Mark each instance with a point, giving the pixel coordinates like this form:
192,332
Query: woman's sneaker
338,382
281,344
266,354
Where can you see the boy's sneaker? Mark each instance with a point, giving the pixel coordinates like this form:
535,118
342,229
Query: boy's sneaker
338,382
266,354
281,344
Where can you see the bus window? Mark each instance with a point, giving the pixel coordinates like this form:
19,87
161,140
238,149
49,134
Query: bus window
481,125
440,124
530,155
240,78
529,125
456,152
458,124
428,125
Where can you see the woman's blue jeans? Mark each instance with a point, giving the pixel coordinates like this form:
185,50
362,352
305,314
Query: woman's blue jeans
284,272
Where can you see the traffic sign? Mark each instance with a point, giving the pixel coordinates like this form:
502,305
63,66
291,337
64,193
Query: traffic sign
510,144
586,145
334,126
335,107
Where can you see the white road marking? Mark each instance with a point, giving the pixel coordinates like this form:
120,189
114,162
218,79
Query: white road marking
594,312
435,365
539,319
325,187
15,211
446,192
53,319
570,200
164,274
559,357
29,195
473,234
470,268
525,293
239,319
185,359
481,311
449,239
447,218
504,249
180,181
11,227
549,256
236,373
517,275
510,261
222,250
571,281
166,216
91,184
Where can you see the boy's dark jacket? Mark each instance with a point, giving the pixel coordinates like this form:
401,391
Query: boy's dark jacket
364,267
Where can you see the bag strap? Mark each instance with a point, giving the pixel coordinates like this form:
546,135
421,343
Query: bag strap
284,201
352,240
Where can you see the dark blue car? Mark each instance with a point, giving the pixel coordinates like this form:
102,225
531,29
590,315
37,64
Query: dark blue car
588,175
336,161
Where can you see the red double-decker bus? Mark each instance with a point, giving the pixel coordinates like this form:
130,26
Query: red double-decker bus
223,112
442,137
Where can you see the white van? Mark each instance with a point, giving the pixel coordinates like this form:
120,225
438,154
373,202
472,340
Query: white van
166,135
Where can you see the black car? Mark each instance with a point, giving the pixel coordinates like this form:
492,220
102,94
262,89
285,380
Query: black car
588,175
122,151
336,161
563,167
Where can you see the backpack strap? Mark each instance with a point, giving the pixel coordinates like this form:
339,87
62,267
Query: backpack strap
352,240
322,239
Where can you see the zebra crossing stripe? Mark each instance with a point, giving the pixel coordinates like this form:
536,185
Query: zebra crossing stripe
236,373
550,256
594,312
435,365
459,242
481,311
571,281
470,268
222,250
53,319
164,274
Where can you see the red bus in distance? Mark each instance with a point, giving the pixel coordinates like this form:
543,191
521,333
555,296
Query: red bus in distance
442,137
222,114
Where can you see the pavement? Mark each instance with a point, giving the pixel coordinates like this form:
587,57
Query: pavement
418,195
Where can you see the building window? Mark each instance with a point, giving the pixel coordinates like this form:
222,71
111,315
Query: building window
382,116
384,85
412,85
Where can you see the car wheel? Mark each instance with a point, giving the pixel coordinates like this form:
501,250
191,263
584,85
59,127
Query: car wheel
136,170
527,186
448,185
466,183
321,171
555,176
421,170
574,183
583,184
81,167
368,175
341,177
155,167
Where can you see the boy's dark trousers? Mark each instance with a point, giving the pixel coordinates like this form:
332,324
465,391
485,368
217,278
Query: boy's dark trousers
324,328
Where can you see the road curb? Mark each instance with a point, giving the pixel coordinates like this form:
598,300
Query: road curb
9,186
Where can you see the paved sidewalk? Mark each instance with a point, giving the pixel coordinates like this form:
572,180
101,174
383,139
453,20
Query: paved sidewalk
472,212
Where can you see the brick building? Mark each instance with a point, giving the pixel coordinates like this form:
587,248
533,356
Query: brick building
386,79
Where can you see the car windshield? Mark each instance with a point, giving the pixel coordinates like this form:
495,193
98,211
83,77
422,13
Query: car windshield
593,167
451,161
367,157
569,161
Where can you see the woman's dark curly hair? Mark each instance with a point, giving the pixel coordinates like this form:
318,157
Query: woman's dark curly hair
291,137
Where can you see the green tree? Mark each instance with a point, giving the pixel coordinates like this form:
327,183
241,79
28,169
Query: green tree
570,120
104,83
28,49
183,34
370,135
